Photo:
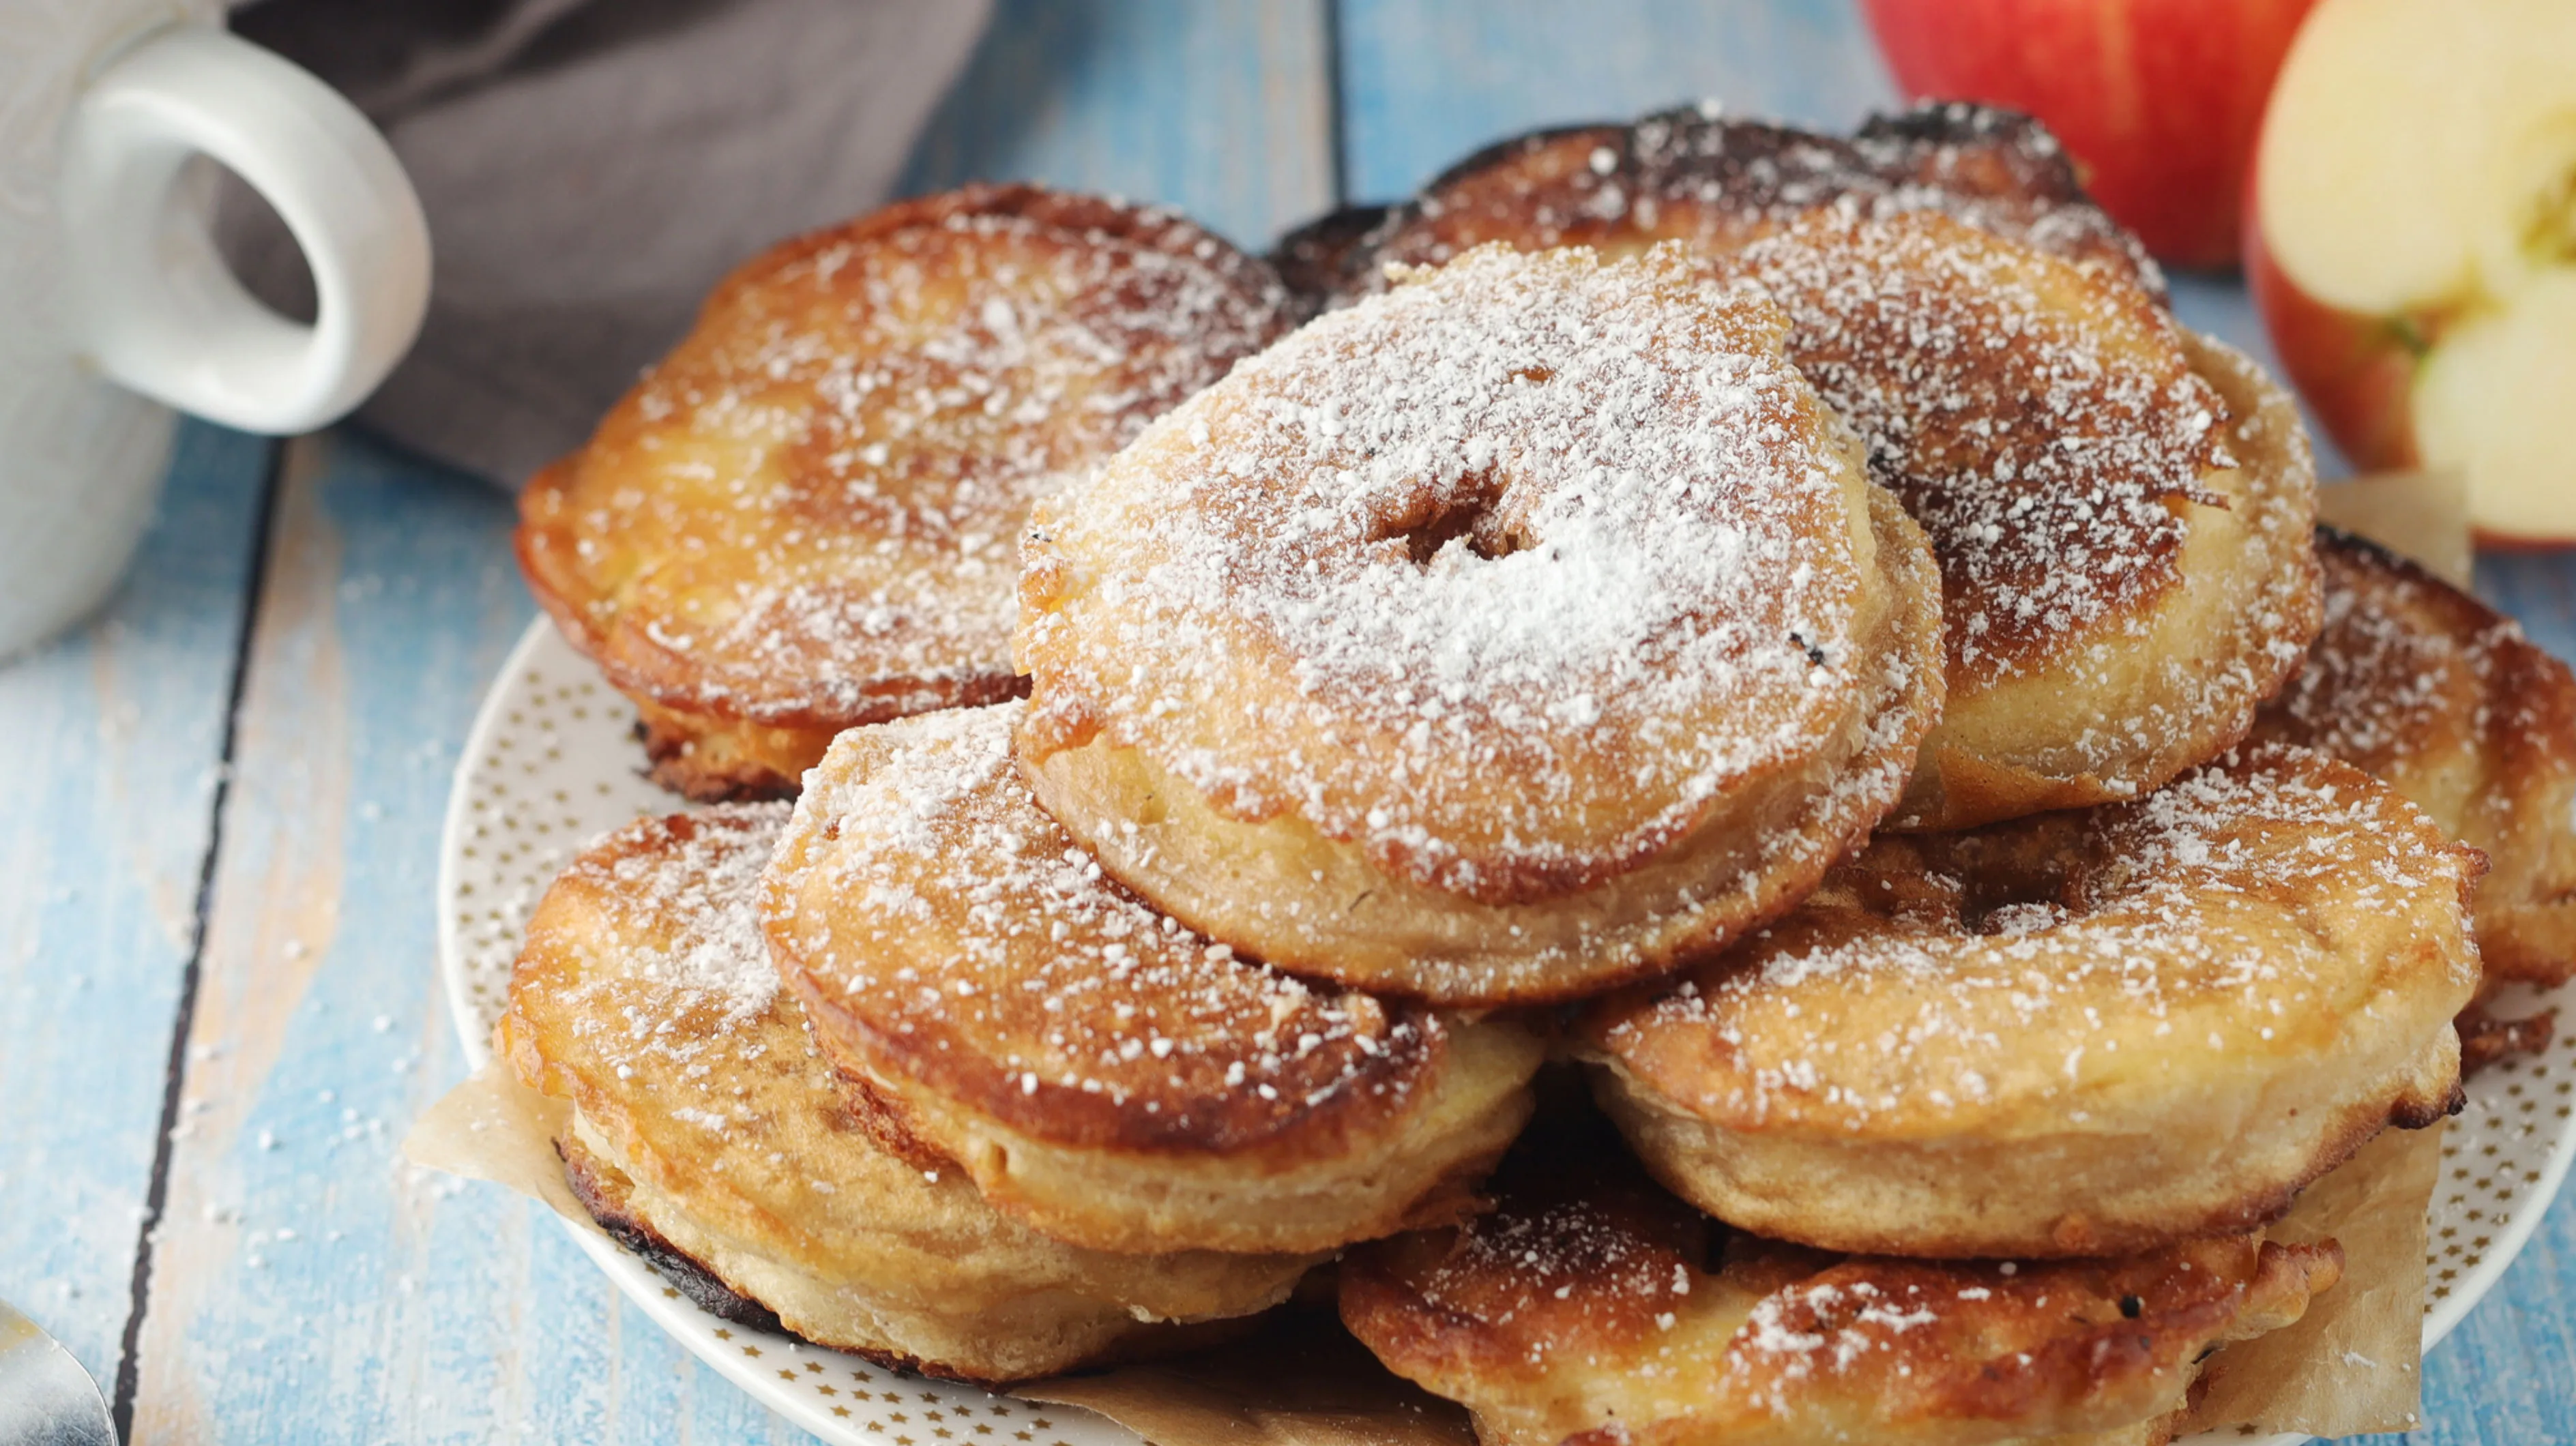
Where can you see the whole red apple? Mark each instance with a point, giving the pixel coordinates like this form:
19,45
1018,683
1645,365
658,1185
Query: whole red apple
2157,100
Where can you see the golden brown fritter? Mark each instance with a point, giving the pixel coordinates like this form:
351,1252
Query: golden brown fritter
1104,1074
1591,1307
2078,1034
2121,509
805,517
1530,627
704,1117
2436,694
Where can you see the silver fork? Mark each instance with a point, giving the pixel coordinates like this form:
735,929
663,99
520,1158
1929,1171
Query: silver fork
46,1399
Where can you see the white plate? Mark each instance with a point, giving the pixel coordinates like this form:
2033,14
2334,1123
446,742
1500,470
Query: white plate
552,763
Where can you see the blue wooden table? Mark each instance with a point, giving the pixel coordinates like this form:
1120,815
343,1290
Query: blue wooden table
222,800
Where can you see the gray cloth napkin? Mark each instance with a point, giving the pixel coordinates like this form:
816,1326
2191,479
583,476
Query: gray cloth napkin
590,169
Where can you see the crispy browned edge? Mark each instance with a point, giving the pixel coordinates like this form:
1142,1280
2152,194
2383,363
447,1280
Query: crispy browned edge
890,1124
2486,1039
1326,257
2361,1125
2076,1238
2523,671
894,1127
1976,152
939,1057
607,1196
1221,1123
1225,1122
1977,791
712,760
1408,1329
716,716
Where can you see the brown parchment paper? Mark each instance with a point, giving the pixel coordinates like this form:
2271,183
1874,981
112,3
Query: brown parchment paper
1300,1381
2353,1364
494,1128
2422,515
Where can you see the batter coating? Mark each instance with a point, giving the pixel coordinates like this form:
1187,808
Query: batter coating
1718,184
804,518
2121,509
705,1120
1528,628
1104,1074
2443,699
2079,1034
1592,1307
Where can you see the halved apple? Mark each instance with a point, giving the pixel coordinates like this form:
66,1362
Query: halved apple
2412,243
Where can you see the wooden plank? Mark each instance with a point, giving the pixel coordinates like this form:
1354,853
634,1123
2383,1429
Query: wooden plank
305,1285
1428,81
1425,83
1223,110
2508,1375
398,1307
113,738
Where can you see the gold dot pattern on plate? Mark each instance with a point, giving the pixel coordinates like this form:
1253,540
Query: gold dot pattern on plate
2497,1152
554,763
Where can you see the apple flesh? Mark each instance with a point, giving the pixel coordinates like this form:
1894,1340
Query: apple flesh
2354,370
2157,100
2411,243
2495,400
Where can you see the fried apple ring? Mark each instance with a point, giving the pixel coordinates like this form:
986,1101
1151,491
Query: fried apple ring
1526,629
2078,1034
1591,1307
707,1128
2121,509
1104,1074
2443,699
804,517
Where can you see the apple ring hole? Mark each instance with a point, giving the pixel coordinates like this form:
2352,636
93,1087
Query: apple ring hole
1469,513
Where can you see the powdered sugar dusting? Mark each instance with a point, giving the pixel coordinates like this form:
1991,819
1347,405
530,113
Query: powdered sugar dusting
1943,974
1619,1266
2402,665
813,504
685,890
2043,425
1588,1296
2450,703
1579,525
968,942
1830,1324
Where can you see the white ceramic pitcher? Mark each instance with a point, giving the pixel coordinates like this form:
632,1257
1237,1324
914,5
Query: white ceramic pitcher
114,306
